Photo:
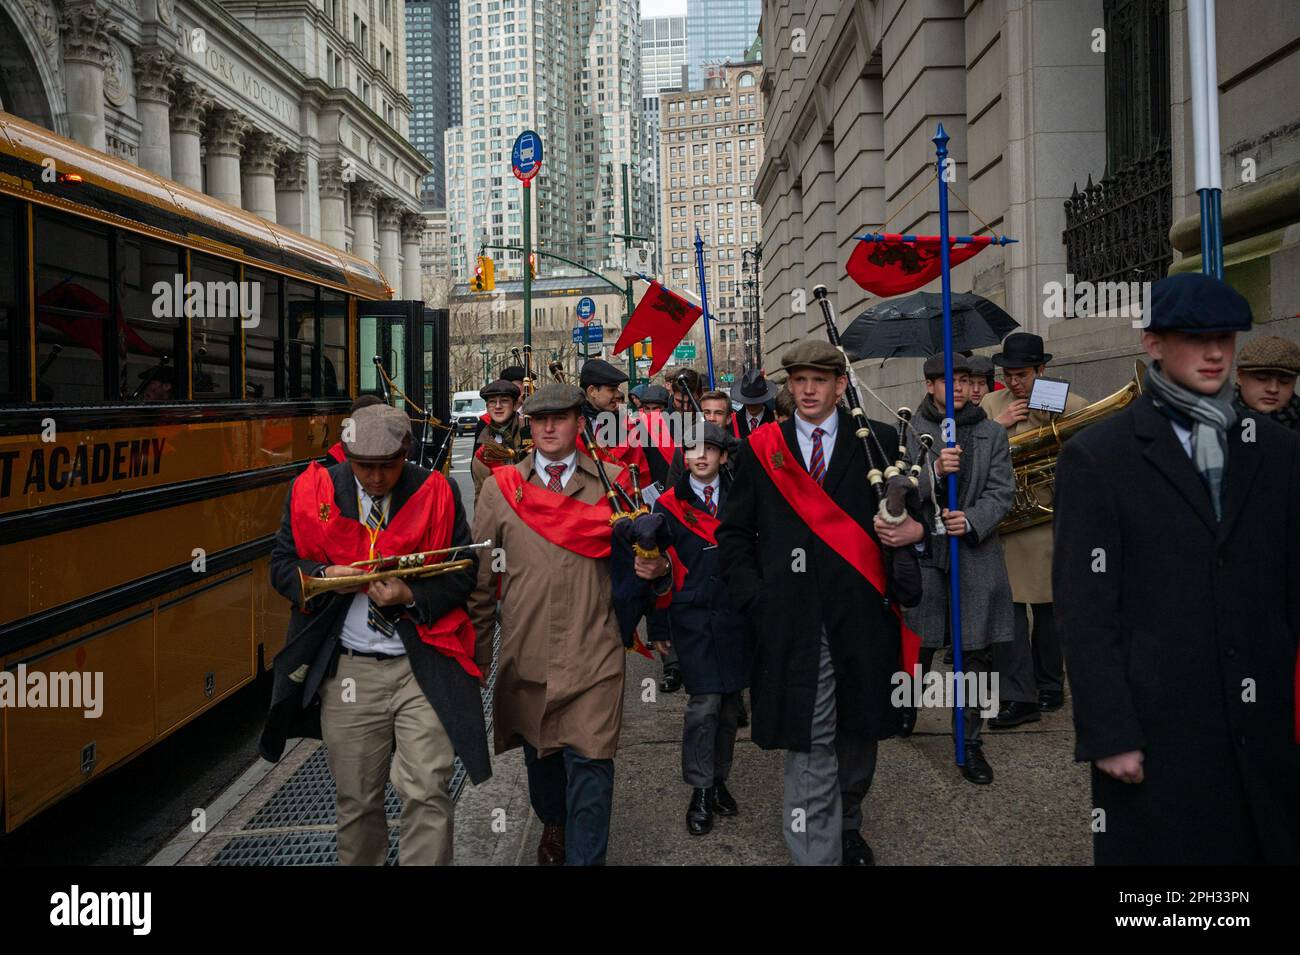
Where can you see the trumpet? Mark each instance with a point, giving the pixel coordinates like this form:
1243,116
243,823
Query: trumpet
415,560
315,586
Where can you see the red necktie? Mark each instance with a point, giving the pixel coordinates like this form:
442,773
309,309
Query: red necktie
555,470
817,467
711,507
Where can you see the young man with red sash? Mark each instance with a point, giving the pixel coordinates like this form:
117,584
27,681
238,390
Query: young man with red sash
711,638
559,684
501,443
801,556
385,675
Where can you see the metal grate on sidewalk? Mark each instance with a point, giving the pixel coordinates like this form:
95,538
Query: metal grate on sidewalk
296,826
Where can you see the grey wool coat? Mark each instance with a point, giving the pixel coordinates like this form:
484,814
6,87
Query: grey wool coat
986,611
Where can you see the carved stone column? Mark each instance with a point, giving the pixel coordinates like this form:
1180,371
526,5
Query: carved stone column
261,154
155,74
186,116
364,198
225,130
333,205
290,188
412,226
85,28
390,243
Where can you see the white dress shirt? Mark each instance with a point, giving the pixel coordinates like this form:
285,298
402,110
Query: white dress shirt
540,462
754,422
1184,436
698,487
357,632
803,431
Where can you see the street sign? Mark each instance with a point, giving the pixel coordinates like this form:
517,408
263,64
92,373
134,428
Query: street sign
727,376
586,309
643,364
592,334
526,157
640,259
684,352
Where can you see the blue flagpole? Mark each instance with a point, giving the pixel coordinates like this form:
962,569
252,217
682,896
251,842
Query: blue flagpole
954,570
704,302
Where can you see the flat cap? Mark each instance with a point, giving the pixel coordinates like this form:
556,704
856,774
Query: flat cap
553,398
933,367
600,372
655,395
498,388
379,433
981,365
814,353
513,373
1270,353
1198,305
716,436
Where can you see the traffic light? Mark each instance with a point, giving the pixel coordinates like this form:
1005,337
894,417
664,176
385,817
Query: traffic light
484,275
643,349
532,265
476,283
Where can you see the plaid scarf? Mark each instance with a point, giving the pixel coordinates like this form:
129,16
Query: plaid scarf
1209,420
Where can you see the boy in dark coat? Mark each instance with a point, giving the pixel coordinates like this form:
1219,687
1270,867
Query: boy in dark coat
708,633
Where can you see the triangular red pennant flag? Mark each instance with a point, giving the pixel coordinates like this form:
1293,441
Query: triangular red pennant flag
896,265
662,317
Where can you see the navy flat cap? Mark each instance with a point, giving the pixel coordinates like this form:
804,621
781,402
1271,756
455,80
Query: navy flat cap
1198,305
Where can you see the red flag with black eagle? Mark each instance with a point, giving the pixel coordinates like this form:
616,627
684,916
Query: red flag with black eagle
898,264
664,318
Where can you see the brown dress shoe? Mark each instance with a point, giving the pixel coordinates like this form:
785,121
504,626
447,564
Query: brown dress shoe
550,850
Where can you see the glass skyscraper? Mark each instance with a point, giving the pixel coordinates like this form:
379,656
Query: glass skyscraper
718,31
433,81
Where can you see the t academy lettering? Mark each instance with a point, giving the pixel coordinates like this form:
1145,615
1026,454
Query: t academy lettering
57,468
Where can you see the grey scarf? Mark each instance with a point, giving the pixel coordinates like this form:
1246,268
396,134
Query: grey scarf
1209,420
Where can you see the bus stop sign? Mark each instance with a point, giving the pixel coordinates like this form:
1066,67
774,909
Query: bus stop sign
526,157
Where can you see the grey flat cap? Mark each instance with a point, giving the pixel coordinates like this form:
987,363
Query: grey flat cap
933,367
981,365
656,395
379,433
553,398
814,353
501,388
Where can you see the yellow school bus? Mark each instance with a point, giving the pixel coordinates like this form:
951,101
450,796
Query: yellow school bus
148,434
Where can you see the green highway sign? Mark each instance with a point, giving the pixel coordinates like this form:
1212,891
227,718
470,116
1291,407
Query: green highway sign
684,352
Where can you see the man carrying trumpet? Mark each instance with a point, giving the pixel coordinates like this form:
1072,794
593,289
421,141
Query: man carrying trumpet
387,669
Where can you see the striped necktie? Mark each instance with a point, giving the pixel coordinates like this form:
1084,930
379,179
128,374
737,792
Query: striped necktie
555,470
375,614
709,504
817,466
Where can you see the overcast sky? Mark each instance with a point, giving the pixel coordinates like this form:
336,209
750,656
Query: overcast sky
663,8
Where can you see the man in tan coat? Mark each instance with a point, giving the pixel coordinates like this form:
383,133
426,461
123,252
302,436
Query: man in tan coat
559,683
1031,674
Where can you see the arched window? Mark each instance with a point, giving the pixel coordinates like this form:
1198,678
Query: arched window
746,80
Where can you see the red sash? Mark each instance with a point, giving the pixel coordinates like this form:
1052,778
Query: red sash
700,523
661,436
337,452
735,425
564,521
620,456
322,533
828,521
478,456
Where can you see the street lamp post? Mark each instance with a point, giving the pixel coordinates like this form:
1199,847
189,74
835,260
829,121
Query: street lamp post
754,323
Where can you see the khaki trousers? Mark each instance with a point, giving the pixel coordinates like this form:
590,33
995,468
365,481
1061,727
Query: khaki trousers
365,707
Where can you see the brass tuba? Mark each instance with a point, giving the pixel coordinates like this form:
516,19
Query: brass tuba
1034,453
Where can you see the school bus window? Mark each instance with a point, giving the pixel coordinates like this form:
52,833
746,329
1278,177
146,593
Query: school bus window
12,329
264,354
300,299
72,304
151,290
215,325
334,333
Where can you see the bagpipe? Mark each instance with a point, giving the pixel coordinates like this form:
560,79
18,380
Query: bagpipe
897,484
635,533
423,452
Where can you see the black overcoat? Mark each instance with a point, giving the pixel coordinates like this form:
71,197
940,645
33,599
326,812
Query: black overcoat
1183,644
789,599
710,635
742,420
314,638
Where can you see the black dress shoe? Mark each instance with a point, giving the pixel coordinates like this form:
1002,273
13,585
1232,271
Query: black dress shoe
856,851
1015,713
742,717
699,813
977,769
672,681
1049,702
909,722
724,804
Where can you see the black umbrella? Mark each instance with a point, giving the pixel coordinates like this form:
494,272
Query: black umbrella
912,326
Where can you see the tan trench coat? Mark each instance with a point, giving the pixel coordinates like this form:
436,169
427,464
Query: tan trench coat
560,666
1028,552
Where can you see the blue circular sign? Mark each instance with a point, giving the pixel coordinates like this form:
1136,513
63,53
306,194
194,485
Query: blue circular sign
586,308
526,157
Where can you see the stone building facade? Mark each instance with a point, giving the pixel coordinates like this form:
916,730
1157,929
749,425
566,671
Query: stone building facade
1041,99
293,111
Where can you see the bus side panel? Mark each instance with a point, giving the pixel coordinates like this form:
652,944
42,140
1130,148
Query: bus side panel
274,626
44,746
203,648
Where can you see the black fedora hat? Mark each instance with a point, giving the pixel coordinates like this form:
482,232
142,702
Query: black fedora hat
753,389
1021,350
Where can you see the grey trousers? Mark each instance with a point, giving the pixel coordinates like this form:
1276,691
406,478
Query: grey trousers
973,661
709,738
825,786
1028,667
